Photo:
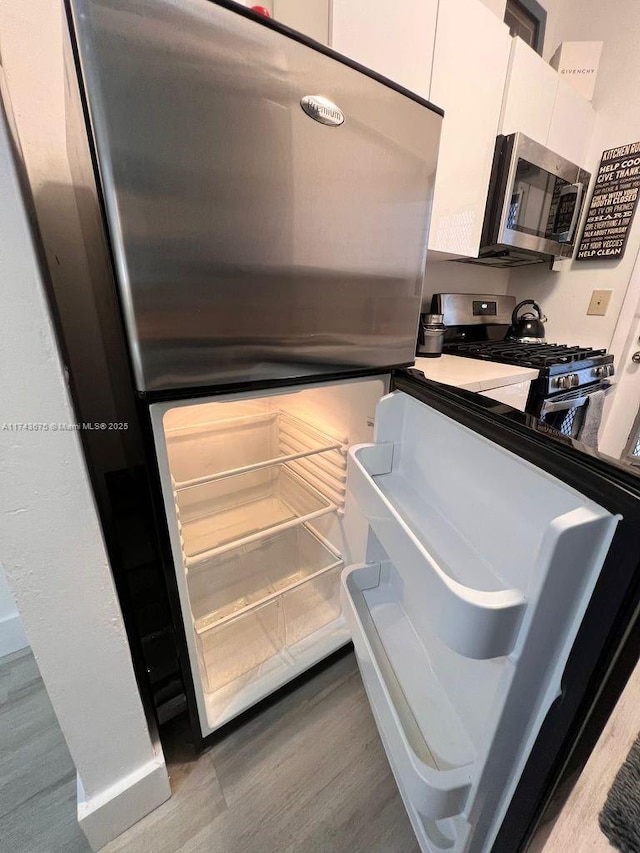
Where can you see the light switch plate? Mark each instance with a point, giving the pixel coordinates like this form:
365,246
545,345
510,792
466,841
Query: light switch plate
599,302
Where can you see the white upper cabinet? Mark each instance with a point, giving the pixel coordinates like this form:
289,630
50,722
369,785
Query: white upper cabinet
529,94
540,104
459,55
310,17
572,124
469,70
394,39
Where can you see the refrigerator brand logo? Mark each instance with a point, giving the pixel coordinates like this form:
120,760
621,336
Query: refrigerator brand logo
322,110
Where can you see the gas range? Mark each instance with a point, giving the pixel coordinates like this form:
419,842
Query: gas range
477,326
561,367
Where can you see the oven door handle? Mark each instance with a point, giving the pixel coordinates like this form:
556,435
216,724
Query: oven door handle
564,405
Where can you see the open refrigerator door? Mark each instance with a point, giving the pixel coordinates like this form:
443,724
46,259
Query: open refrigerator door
478,572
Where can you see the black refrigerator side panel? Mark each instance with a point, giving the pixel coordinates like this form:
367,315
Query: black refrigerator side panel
605,649
89,327
603,658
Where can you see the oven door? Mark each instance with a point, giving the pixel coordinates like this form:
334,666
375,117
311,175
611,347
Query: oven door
565,412
542,199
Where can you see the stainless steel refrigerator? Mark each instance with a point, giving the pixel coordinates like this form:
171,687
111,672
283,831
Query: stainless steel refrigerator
265,206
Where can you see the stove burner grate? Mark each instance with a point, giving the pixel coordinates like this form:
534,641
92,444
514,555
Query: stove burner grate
527,355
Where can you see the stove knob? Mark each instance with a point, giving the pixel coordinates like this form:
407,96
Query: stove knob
601,372
574,380
562,382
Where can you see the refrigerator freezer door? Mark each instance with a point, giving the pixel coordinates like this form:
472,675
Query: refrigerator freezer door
480,566
256,235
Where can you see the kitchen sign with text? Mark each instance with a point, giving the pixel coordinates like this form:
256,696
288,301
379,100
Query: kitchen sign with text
613,205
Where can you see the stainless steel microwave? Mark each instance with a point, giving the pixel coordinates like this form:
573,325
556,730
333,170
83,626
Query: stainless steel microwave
534,204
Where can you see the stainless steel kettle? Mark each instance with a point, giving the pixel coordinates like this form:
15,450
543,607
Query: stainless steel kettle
529,328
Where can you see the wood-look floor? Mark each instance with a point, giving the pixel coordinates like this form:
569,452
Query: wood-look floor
305,775
576,827
37,776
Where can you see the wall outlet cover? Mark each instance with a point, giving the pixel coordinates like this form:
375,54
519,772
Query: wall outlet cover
599,302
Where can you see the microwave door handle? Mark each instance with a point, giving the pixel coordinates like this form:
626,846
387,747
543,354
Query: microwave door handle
569,234
576,213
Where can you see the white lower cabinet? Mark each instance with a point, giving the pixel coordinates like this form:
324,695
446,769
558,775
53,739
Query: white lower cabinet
478,570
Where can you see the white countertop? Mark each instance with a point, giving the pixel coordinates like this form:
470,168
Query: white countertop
472,373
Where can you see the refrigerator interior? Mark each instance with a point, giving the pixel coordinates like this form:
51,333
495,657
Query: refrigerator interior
254,490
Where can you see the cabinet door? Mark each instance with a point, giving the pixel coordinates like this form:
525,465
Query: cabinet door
529,95
572,124
394,39
540,104
469,69
310,17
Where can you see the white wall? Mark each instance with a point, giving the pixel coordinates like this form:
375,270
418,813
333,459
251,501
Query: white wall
52,549
456,277
12,635
565,295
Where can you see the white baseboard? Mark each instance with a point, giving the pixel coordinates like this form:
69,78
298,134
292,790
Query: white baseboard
12,635
107,815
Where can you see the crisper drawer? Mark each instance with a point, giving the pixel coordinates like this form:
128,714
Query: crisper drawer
234,647
312,605
428,748
271,634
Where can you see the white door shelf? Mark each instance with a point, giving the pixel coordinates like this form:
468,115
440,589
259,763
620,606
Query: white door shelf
473,530
426,744
469,607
